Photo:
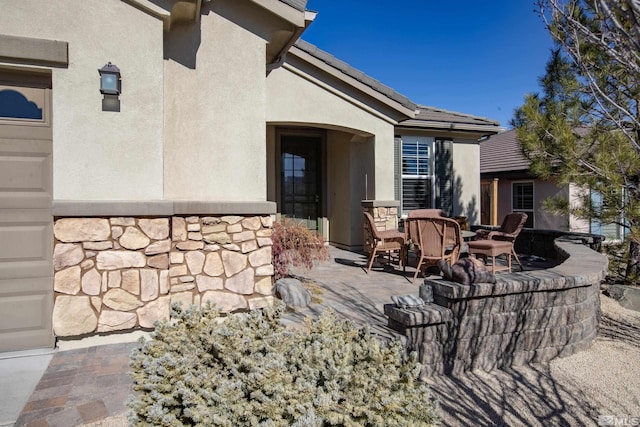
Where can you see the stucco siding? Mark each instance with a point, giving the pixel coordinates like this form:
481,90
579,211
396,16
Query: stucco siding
577,224
339,188
299,99
466,180
542,190
100,155
215,142
547,220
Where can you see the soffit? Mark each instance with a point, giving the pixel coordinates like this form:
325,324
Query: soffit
174,11
431,118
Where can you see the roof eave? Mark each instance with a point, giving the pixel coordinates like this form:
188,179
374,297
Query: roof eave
407,111
284,11
461,127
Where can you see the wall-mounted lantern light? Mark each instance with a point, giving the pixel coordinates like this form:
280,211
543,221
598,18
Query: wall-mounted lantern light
110,83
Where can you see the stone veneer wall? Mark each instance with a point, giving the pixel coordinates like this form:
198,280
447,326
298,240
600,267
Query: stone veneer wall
122,273
525,317
385,214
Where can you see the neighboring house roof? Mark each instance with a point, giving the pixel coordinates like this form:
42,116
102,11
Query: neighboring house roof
354,73
502,153
436,118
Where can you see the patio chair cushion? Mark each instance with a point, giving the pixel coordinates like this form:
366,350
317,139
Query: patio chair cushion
408,301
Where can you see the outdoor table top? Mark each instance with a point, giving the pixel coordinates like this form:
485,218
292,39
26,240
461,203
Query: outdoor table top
466,234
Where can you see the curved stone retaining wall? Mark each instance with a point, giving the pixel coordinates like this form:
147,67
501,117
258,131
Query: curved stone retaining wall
121,273
525,317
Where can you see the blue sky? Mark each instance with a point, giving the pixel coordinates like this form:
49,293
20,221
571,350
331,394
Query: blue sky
475,57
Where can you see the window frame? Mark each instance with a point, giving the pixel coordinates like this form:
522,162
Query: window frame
529,212
428,177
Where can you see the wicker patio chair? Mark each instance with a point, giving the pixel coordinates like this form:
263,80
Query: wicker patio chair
411,230
437,238
508,232
386,242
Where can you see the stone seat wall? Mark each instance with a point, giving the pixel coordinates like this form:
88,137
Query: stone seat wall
525,317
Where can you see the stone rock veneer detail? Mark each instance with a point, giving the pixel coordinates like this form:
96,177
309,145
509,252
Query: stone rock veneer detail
525,317
386,218
123,273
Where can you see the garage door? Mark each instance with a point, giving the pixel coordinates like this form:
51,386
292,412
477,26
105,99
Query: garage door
26,222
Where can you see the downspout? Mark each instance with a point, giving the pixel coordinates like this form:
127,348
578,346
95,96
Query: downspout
309,16
196,18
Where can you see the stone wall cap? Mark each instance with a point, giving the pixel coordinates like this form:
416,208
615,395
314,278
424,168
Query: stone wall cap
581,268
78,208
193,207
380,203
429,314
98,208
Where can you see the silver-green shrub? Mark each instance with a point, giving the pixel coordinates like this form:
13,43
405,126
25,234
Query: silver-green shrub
249,370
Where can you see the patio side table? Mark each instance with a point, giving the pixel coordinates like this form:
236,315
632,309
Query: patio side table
492,248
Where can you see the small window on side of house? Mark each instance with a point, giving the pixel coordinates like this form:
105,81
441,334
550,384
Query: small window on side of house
523,200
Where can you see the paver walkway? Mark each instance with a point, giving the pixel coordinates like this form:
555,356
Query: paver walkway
90,386
80,386
85,386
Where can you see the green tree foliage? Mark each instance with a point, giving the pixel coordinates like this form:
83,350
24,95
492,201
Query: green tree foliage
251,371
585,126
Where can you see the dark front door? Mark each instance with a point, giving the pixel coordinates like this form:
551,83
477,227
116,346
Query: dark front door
301,188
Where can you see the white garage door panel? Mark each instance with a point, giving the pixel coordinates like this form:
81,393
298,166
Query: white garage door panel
26,307
30,252
26,221
25,174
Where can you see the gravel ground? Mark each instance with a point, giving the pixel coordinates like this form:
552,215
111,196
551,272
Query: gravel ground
574,391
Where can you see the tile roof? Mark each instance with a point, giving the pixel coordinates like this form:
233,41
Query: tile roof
501,153
431,117
297,4
354,73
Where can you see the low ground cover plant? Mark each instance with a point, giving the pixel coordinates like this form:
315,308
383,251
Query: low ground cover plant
249,370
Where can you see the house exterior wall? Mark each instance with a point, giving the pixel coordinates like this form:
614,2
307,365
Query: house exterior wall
466,182
100,155
466,170
576,224
541,190
359,160
215,109
545,220
339,191
295,98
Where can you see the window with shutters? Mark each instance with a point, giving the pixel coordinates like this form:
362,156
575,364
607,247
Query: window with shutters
414,164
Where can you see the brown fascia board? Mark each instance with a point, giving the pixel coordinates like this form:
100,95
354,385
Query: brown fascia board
405,110
510,174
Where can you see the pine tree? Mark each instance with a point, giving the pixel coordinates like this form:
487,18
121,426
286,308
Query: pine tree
585,126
